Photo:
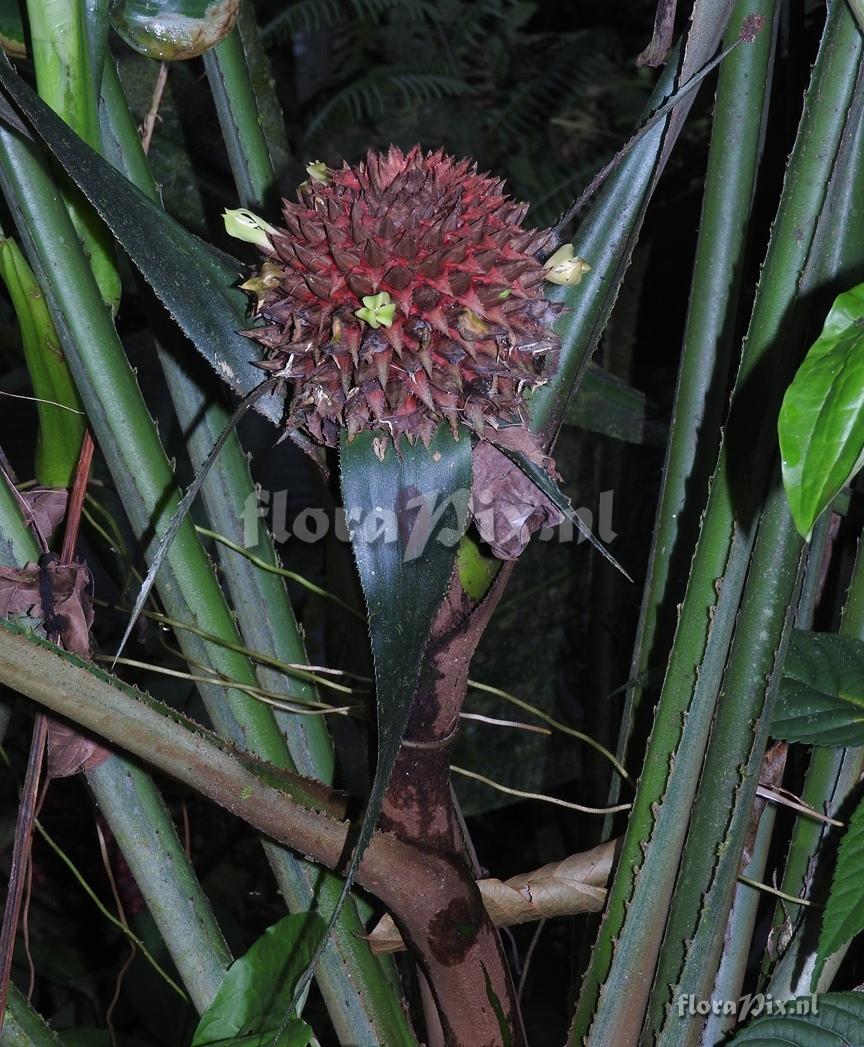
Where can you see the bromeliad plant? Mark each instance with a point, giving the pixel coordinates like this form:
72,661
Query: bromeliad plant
403,315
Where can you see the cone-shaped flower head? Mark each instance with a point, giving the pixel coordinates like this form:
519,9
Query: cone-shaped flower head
401,293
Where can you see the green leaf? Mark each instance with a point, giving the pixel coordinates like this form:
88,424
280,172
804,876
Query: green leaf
61,430
68,62
295,1034
172,30
821,423
821,698
404,565
193,282
844,911
406,512
839,1021
257,991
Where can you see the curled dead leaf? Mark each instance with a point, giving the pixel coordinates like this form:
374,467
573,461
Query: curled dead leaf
45,508
70,752
770,775
507,507
56,597
566,888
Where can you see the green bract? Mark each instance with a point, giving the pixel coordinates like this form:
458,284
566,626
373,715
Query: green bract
378,310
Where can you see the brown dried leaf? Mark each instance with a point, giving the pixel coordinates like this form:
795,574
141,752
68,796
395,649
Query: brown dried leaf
770,775
575,885
661,40
24,592
505,504
65,590
46,509
70,752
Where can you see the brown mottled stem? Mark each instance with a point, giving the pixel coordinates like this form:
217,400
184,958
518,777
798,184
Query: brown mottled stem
467,958
431,895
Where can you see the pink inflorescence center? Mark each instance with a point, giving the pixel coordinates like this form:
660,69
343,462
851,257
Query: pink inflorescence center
404,292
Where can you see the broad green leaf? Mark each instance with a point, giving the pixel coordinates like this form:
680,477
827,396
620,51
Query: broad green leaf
172,30
838,1022
193,282
406,512
821,423
844,911
405,555
257,991
821,697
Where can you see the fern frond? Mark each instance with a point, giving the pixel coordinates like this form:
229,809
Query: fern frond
313,15
302,16
386,87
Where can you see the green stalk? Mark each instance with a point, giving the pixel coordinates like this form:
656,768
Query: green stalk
271,119
142,826
240,120
609,232
703,893
743,92
139,820
739,933
832,777
626,952
227,491
832,773
61,431
66,79
22,1026
358,986
721,815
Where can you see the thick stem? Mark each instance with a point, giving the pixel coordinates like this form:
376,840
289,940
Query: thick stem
430,895
419,809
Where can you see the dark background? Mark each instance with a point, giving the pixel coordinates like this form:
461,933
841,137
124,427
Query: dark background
542,94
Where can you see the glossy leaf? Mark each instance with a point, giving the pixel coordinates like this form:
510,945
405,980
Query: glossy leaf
821,423
821,698
193,282
839,1020
844,911
406,512
173,30
257,990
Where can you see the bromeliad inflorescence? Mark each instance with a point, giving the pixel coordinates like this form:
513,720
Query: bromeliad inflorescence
401,293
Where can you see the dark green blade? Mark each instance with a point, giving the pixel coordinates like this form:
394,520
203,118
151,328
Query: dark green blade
406,514
193,283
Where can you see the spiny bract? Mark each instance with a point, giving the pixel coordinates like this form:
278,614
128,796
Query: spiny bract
404,292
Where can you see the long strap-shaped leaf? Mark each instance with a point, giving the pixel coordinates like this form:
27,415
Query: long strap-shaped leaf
406,513
193,282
